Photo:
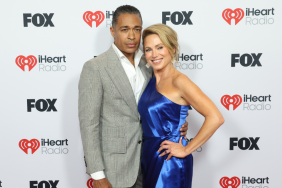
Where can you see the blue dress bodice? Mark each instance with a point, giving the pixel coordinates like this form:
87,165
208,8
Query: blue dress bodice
162,120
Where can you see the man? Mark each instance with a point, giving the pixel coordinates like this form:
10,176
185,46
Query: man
110,87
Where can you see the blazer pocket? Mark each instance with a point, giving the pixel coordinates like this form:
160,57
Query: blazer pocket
114,145
113,132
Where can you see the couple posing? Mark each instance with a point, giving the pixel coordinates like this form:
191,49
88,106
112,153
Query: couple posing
133,106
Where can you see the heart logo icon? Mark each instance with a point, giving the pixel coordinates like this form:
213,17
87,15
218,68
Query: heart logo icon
228,14
90,183
30,61
225,182
33,144
97,16
235,100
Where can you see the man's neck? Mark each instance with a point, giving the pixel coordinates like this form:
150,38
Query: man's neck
130,57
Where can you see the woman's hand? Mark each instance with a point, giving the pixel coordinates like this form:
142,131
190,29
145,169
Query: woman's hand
173,149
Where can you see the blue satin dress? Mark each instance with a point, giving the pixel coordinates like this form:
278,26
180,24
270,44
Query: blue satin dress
161,120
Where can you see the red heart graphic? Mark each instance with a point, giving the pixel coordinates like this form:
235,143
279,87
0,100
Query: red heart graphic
226,101
22,61
90,183
25,145
228,14
234,182
88,17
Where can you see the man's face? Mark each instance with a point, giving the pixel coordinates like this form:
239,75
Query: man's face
127,33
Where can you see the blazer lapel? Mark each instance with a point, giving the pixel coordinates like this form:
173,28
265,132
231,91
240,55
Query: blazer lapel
147,73
120,80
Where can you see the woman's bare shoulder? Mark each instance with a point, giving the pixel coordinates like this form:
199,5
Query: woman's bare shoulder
180,80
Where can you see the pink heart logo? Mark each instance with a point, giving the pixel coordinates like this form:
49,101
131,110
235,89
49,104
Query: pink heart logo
234,182
30,61
235,100
33,144
228,14
97,16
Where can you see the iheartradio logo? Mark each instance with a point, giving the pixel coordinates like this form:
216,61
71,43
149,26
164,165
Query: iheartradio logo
235,100
33,144
30,61
229,14
90,183
97,16
226,182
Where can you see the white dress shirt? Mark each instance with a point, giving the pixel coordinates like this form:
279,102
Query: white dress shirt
136,80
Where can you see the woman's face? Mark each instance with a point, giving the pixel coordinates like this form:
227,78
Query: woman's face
156,53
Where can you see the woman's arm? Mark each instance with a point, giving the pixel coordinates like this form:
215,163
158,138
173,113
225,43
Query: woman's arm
192,94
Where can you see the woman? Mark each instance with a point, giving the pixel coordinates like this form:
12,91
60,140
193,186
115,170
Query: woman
167,160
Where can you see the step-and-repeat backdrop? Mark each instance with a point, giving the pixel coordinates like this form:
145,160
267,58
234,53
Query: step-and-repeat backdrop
230,49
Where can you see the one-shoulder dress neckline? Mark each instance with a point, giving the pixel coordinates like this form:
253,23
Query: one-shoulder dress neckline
164,95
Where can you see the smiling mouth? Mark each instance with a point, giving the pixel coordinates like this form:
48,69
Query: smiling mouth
157,61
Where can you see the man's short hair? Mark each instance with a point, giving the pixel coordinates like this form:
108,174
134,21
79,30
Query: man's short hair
125,9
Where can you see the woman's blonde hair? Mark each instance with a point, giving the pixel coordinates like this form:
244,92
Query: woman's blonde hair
168,37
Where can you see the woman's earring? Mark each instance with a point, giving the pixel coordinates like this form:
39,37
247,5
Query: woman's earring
175,63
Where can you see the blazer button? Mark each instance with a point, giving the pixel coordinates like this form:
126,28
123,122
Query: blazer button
139,142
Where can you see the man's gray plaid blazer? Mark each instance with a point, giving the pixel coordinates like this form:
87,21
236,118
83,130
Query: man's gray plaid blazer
110,123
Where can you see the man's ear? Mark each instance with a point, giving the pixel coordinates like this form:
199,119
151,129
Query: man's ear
112,31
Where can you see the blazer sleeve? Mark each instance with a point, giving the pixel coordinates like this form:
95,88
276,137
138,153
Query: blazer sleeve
89,107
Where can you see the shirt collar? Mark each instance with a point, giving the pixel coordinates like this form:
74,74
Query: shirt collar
137,57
